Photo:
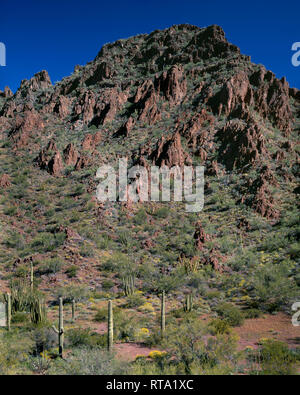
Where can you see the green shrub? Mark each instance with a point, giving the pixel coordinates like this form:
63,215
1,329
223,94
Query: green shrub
219,327
276,359
140,217
72,271
50,266
230,313
19,317
79,337
252,313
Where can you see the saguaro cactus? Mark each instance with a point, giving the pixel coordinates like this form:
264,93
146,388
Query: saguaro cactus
163,313
110,334
60,330
73,310
7,298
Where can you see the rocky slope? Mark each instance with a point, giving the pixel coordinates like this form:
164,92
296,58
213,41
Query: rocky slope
184,95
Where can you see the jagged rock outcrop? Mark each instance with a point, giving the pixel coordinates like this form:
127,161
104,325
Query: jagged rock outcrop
50,159
241,144
169,152
262,90
91,141
173,85
82,162
146,99
235,95
24,127
70,155
6,93
40,81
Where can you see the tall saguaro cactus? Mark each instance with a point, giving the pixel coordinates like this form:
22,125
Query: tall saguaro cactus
163,313
8,310
60,330
110,334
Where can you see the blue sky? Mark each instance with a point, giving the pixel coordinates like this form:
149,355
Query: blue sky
58,34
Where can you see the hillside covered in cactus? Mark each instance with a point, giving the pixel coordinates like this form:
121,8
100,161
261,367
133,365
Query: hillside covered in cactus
180,96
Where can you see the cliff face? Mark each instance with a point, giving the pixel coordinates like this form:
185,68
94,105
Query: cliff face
184,95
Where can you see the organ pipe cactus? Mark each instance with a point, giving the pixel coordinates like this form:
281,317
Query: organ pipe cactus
38,310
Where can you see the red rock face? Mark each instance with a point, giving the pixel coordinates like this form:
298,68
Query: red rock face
199,137
91,141
82,162
24,127
170,152
146,99
126,128
70,155
55,165
264,204
268,95
50,159
63,106
241,144
172,84
236,93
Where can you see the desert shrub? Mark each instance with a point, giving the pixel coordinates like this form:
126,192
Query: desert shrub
219,327
135,300
127,326
87,361
276,359
19,317
44,339
50,266
107,284
86,251
252,313
71,271
101,314
162,212
213,294
140,217
230,313
12,210
45,242
15,348
77,292
15,240
192,351
79,337
273,286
